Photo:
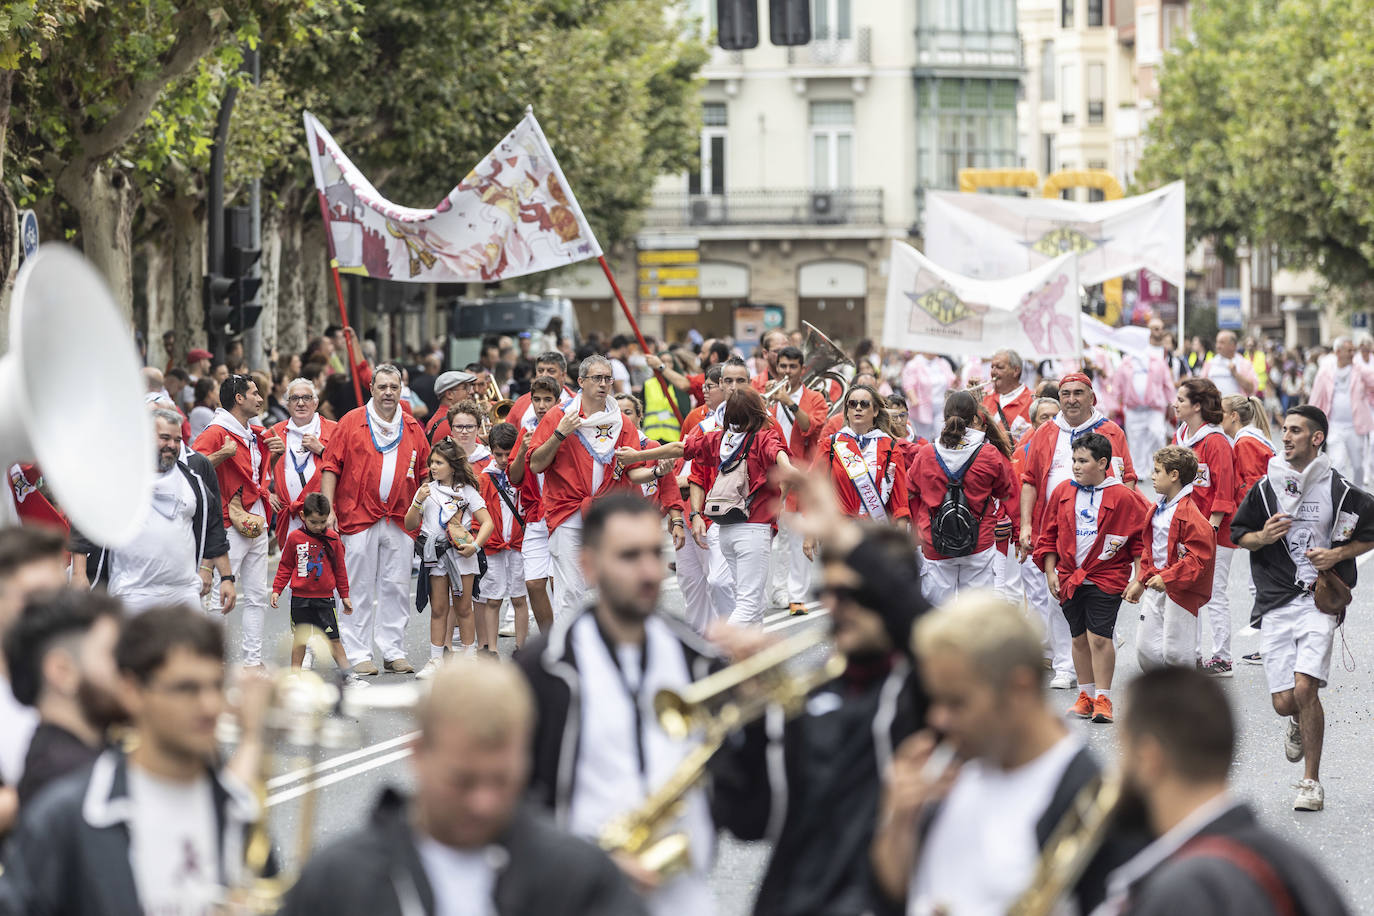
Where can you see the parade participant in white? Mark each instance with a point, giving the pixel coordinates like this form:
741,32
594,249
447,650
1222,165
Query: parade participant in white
1144,385
1231,372
708,585
1344,390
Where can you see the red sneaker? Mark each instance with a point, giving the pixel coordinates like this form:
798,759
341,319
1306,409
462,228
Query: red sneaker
1102,710
1083,708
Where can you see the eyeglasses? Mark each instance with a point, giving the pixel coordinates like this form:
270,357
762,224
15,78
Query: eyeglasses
860,405
299,398
464,427
597,379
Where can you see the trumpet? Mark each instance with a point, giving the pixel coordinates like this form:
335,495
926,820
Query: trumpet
715,707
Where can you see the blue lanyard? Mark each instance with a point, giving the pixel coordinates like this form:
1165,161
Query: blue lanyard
1074,437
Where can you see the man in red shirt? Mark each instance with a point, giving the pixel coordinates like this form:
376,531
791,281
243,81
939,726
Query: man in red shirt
800,414
1007,400
574,448
554,365
241,453
451,388
372,467
769,346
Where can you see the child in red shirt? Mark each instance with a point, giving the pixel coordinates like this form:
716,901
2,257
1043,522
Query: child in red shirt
312,563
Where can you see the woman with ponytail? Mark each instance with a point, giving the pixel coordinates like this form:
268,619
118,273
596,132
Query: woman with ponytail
967,463
1245,422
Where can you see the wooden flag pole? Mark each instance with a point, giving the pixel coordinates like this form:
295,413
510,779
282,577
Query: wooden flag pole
658,373
339,297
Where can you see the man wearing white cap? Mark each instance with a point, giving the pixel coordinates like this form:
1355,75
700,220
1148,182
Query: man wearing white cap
451,388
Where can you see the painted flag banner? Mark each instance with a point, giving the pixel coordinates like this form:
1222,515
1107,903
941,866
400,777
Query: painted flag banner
514,214
991,236
935,310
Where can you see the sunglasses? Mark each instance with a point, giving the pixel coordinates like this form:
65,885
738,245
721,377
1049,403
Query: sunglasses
861,405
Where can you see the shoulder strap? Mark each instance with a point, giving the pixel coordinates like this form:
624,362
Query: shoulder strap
1255,867
958,478
742,454
505,498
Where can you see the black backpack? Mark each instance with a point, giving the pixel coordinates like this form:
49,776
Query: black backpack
953,526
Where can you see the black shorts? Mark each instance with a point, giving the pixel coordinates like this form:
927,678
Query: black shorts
1093,610
315,612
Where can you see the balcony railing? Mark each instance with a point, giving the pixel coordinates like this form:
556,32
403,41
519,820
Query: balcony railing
828,51
794,207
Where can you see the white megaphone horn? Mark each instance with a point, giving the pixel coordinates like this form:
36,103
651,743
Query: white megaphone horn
71,397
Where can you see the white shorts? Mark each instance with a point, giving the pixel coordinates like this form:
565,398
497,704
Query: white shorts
535,552
1296,638
505,576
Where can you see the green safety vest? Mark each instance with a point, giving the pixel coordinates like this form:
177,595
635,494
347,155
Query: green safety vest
659,421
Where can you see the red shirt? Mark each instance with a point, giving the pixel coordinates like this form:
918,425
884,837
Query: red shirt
285,467
522,404
568,480
1251,463
1214,490
1040,455
1121,518
235,473
499,512
833,426
438,426
1191,556
354,459
313,565
809,402
988,479
703,450
891,468
531,495
1007,416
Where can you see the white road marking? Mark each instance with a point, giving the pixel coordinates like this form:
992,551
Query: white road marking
773,622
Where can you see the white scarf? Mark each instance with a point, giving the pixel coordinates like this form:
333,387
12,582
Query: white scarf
1203,431
479,453
1005,399
714,420
383,431
1075,431
1290,486
957,457
230,424
730,443
1249,432
600,431
295,447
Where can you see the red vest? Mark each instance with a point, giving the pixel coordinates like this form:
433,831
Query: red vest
990,478
499,511
568,480
890,466
703,450
1040,455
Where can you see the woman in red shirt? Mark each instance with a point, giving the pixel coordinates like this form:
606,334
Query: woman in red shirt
866,465
1246,425
749,440
976,453
1199,412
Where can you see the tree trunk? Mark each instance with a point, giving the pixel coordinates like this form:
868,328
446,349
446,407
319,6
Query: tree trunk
10,246
318,286
269,295
104,201
291,336
188,271
157,291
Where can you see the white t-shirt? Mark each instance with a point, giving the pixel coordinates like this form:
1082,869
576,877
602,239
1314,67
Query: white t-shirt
17,723
981,850
1312,523
1341,410
173,850
1061,465
159,565
619,375
1086,504
462,505
1162,519
199,419
462,880
1222,375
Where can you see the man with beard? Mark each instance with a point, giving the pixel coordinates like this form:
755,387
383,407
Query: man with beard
168,561
598,747
61,660
812,785
1210,853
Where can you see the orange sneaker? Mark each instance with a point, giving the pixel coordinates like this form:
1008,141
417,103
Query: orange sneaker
1102,709
797,609
1083,708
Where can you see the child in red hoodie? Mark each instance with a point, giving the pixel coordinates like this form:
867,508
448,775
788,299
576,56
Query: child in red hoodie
1087,548
1177,556
312,563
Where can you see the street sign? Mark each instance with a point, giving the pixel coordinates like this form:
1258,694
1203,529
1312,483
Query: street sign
28,232
669,274
1230,315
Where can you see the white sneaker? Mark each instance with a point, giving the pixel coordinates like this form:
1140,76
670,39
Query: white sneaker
353,681
1311,797
1120,638
309,661
430,669
1292,744
507,630
1061,682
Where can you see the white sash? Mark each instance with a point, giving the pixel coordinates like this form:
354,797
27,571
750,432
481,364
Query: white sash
783,418
856,465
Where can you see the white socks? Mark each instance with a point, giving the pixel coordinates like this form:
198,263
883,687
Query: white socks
1104,693
1089,689
436,652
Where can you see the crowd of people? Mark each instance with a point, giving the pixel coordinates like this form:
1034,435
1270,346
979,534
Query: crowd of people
972,531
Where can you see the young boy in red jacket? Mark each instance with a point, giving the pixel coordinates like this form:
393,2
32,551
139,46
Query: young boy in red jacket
312,563
1091,536
1177,555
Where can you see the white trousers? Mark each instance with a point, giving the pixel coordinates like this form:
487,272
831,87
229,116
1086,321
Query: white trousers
1215,615
745,546
708,587
1145,434
1057,638
1346,448
248,563
790,570
1166,634
1008,576
379,583
942,579
569,588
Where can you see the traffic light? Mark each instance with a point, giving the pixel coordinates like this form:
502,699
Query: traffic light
789,22
239,259
737,24
217,291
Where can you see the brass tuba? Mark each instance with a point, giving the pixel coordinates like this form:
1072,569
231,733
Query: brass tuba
713,707
822,360
1076,839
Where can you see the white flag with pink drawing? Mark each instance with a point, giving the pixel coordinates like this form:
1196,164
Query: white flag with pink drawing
931,309
514,214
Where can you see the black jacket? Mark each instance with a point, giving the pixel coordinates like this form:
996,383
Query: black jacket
1199,882
70,855
1271,567
812,786
53,753
377,871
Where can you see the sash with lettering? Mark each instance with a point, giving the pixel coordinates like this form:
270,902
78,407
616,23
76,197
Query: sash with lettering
853,452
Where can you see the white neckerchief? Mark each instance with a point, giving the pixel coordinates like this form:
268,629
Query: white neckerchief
383,431
713,420
1073,431
1188,441
1291,486
957,457
479,453
1005,399
600,431
449,500
529,421
730,442
295,445
230,424
1250,432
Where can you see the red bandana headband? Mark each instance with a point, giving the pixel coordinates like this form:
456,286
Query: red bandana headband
1077,377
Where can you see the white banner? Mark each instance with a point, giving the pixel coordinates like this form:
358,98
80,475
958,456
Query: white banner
514,214
1131,339
991,236
933,309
